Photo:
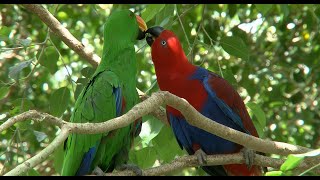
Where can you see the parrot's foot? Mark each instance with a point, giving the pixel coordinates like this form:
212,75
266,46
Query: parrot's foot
202,157
131,167
98,172
249,156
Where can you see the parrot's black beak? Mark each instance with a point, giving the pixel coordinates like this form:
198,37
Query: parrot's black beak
141,35
153,32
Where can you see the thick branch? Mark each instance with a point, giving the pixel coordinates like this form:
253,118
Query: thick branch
149,105
32,114
221,159
57,28
159,113
196,119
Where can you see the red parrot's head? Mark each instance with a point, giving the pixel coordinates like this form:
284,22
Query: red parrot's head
166,48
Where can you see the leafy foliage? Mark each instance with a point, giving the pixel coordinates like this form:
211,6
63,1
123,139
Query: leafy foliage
270,53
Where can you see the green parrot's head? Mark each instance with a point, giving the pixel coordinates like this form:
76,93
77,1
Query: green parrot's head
124,25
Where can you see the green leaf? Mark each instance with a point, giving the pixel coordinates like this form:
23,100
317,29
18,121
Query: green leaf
53,7
237,32
59,101
144,157
49,59
21,105
165,17
311,19
58,157
232,8
285,10
150,128
166,145
4,33
87,72
260,121
229,76
317,13
15,70
39,135
62,15
235,46
275,173
78,90
81,83
263,8
151,10
275,104
25,42
4,90
291,162
31,172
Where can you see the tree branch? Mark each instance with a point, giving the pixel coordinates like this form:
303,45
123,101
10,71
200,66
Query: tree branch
184,31
76,45
159,113
63,33
147,106
190,54
221,159
37,159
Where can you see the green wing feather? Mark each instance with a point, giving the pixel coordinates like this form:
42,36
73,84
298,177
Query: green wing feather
96,103
114,148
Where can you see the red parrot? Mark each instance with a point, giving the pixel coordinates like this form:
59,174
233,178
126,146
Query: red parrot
209,94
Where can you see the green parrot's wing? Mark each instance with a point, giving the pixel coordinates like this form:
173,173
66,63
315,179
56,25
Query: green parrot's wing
114,148
96,103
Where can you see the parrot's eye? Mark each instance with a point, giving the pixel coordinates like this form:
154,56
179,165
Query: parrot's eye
163,43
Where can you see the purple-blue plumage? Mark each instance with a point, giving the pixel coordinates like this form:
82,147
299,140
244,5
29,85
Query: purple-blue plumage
209,94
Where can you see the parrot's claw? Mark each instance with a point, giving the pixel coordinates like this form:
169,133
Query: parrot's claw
98,172
249,156
131,167
202,157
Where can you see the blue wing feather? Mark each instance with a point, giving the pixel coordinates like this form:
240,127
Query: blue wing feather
215,109
204,75
223,106
118,95
85,165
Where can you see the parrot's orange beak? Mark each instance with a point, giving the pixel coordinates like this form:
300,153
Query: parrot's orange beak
142,25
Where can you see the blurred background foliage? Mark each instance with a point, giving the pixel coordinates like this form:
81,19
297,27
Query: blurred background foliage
270,53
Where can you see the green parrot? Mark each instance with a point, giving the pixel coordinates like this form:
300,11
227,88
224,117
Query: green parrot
110,93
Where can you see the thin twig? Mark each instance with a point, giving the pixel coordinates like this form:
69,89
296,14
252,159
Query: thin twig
8,150
184,13
184,31
195,39
211,42
2,49
41,156
64,64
